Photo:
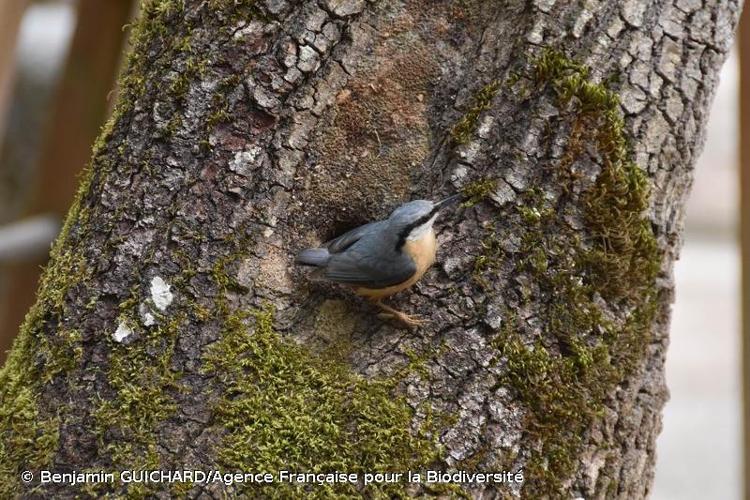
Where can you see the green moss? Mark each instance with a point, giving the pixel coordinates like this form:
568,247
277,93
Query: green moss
201,312
284,408
240,11
565,377
142,380
28,439
477,191
61,353
463,130
179,86
488,261
418,364
623,255
28,435
220,110
224,280
175,124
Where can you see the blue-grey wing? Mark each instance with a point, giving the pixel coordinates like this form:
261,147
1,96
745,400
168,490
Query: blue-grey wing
346,240
370,269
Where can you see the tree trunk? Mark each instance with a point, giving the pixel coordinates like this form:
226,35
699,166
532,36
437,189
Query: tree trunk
172,331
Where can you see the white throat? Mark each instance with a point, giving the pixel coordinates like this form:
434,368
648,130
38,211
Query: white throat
419,231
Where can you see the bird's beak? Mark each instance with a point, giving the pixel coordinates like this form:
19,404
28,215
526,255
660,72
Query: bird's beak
449,200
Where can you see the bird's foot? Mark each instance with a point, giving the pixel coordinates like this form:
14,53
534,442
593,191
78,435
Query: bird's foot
412,321
406,319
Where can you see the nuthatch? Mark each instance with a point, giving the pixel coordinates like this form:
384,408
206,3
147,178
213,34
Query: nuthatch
383,257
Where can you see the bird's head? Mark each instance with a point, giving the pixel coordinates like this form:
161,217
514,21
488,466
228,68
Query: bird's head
412,220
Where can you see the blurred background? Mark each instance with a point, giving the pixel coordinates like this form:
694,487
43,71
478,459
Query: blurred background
58,62
699,451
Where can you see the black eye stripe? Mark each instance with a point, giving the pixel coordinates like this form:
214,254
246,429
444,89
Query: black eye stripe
418,222
408,229
422,220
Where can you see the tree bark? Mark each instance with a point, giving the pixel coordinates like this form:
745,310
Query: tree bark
172,331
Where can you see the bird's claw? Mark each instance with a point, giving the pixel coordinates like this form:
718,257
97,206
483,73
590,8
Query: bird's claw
411,321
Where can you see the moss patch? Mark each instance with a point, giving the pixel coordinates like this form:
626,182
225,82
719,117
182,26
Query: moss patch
585,350
463,130
28,439
283,408
29,435
477,191
488,262
46,348
142,379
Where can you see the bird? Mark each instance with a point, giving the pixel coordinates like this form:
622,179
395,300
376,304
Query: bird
383,257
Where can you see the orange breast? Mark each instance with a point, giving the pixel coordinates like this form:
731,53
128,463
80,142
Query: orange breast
422,251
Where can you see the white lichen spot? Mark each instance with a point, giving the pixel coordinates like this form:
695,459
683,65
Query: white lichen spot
468,153
485,127
146,316
160,293
308,59
582,20
536,36
243,160
545,5
458,175
123,331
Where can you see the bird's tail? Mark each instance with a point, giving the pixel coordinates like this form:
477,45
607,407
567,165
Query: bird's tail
315,257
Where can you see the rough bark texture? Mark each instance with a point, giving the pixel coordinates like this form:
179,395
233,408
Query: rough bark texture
172,330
